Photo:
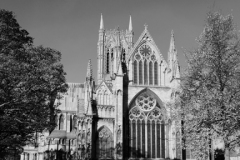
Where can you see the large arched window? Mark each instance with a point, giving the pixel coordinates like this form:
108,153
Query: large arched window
105,143
146,128
146,72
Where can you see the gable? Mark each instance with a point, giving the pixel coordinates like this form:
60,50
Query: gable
146,38
103,87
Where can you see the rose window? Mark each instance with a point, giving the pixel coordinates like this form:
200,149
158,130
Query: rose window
145,50
145,102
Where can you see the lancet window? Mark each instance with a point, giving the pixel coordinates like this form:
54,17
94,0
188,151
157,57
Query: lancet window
108,62
145,66
61,122
147,128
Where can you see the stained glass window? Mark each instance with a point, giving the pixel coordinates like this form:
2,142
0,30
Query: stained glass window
107,70
147,135
145,73
135,77
140,73
61,121
150,74
145,50
156,73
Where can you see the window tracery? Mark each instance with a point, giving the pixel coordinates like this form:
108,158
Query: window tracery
105,143
147,128
145,66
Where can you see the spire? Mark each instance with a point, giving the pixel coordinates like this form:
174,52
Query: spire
172,42
172,58
89,70
120,71
172,49
101,23
145,27
130,24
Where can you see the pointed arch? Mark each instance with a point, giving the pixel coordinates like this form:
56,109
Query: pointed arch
108,62
146,125
75,122
154,95
104,143
61,122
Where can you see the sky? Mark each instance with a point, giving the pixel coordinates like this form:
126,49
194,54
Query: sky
71,26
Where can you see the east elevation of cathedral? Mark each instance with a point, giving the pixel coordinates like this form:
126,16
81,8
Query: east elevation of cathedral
124,113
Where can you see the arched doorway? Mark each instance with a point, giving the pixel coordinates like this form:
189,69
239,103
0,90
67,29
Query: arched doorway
105,148
146,127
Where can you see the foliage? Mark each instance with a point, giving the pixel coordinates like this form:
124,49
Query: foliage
210,94
30,80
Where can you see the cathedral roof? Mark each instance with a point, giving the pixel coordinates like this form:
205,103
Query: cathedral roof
62,134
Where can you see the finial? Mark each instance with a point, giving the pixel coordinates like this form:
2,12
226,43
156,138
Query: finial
172,33
145,26
101,22
172,39
89,70
130,24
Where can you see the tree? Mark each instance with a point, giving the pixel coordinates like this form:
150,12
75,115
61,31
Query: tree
210,91
31,78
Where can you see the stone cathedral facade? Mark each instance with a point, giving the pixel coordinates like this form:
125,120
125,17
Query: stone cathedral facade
124,113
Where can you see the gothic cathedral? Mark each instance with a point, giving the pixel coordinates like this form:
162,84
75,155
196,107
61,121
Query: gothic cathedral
124,113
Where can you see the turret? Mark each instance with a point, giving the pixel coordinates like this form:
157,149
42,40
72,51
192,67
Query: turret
89,71
89,87
130,31
100,50
101,23
130,24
